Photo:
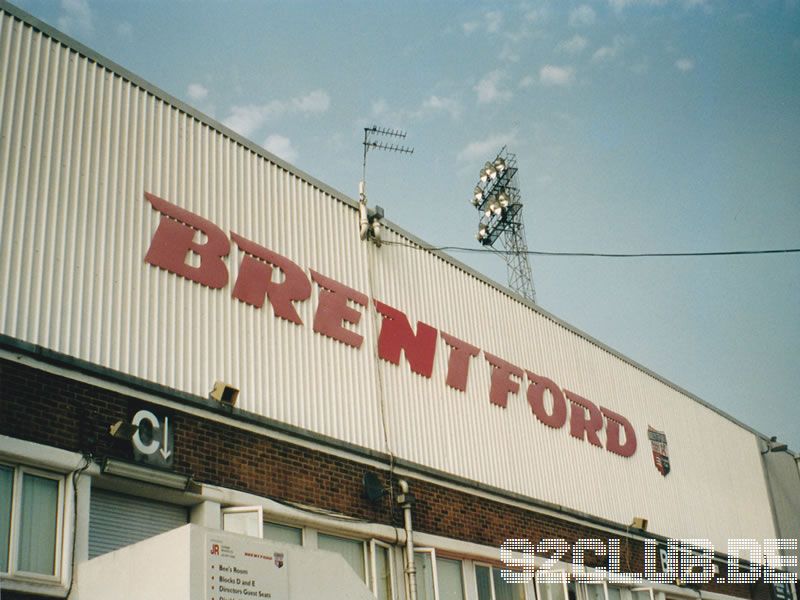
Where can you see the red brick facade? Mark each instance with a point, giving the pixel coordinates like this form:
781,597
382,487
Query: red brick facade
53,410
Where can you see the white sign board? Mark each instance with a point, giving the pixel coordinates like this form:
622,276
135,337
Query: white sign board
241,568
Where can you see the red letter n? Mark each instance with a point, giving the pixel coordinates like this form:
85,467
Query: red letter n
396,335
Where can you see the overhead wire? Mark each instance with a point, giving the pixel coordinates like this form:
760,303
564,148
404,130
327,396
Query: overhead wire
595,254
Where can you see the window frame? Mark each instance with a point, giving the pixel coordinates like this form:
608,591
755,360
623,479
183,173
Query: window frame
299,528
258,518
464,586
492,568
13,573
373,545
564,584
432,552
365,554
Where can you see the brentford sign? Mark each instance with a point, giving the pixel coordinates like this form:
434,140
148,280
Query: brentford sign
340,308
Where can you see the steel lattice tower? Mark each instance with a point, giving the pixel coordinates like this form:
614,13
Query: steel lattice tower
497,197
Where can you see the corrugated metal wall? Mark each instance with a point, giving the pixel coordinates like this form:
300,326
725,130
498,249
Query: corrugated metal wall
80,145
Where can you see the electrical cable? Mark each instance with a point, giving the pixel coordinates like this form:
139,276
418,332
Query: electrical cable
596,254
87,460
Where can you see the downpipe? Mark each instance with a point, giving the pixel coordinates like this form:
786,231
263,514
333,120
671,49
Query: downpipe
405,500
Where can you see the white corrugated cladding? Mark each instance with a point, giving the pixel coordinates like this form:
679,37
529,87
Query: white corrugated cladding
81,144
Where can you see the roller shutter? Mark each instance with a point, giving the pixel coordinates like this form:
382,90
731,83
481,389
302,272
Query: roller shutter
117,520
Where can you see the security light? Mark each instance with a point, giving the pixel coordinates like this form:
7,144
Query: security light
225,393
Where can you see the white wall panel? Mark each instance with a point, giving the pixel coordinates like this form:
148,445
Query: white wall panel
81,145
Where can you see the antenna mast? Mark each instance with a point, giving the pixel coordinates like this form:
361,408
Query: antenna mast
370,220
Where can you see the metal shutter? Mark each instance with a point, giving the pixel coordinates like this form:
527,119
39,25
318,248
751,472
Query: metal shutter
117,520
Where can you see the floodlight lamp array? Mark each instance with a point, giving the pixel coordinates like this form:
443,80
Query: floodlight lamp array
496,197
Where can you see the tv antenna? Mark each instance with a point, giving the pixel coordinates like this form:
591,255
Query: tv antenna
377,138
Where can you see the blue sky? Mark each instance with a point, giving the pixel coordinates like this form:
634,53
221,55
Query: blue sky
639,126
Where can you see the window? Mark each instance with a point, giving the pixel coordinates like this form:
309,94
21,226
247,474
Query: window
602,591
30,522
643,593
554,591
492,586
247,520
351,550
438,578
425,574
285,534
451,579
382,572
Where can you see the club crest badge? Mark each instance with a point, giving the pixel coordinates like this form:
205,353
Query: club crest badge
658,440
278,558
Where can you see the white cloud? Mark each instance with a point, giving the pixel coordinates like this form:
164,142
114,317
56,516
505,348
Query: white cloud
248,119
536,15
197,91
608,52
281,146
574,45
494,19
380,107
508,54
620,5
527,81
581,16
435,104
481,149
76,18
488,90
684,64
552,75
317,101
470,27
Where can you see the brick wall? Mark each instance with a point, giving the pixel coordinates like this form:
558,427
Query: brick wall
73,415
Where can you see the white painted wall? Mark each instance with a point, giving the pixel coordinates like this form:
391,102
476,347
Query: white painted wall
171,566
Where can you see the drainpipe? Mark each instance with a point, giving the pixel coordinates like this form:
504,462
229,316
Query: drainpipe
405,499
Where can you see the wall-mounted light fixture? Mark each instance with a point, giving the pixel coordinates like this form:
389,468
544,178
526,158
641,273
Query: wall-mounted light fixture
224,392
774,446
147,474
123,430
639,523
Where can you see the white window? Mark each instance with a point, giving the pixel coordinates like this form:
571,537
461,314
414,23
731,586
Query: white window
285,534
425,567
554,591
492,586
642,593
601,591
450,579
352,551
438,578
247,520
31,515
382,571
